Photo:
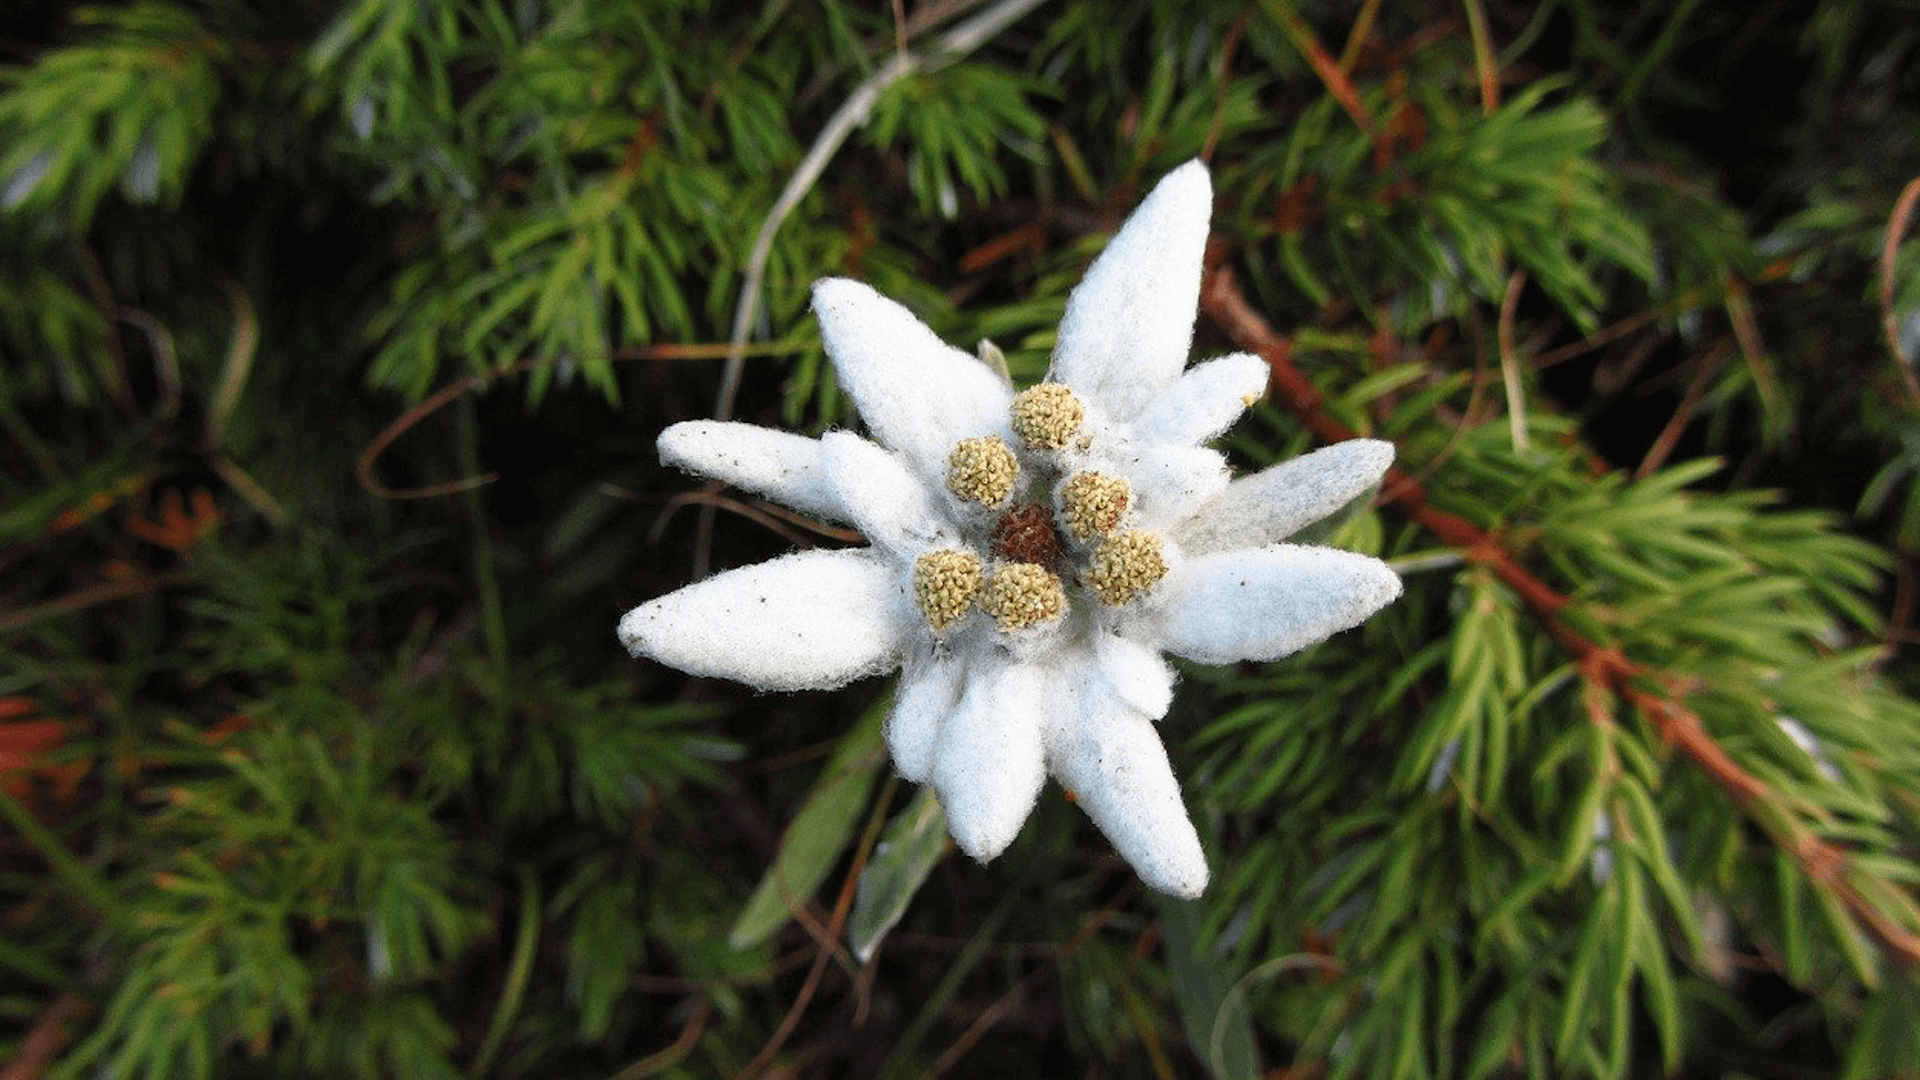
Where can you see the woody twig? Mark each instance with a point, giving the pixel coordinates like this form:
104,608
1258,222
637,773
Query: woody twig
1657,699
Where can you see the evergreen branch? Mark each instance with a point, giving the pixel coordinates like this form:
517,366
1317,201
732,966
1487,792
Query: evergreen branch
1332,72
1825,864
956,43
81,878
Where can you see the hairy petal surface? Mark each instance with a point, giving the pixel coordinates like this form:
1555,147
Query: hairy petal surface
810,621
985,709
777,465
929,692
1171,480
883,498
1111,758
1137,675
989,763
917,394
1265,603
1205,401
1278,501
1129,324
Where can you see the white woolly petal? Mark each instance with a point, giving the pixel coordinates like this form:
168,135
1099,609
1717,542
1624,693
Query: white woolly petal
810,621
1205,401
989,764
1129,324
776,464
1279,501
1111,758
1137,675
917,394
1170,481
929,692
1264,603
883,498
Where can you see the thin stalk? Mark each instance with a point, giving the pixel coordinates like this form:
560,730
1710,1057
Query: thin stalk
1653,55
78,877
1483,61
486,574
518,971
23,434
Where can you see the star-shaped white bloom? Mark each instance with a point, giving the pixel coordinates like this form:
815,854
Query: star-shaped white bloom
1032,555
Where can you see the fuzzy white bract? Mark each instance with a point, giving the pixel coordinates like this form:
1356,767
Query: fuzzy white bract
1033,555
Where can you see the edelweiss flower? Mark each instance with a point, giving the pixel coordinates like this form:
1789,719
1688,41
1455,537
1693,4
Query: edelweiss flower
1033,554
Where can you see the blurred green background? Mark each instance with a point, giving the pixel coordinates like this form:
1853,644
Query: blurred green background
334,339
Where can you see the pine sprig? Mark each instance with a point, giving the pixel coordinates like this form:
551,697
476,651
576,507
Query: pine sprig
304,775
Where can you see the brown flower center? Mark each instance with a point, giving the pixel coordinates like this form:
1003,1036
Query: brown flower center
1026,534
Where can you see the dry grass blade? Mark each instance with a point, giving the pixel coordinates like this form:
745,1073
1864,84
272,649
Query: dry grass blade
1510,363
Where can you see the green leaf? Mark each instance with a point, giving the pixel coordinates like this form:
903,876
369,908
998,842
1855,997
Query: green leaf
913,843
1212,1007
817,835
1887,1040
1585,979
1649,843
1656,981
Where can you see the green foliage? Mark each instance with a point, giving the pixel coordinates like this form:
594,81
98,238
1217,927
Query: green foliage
914,842
1474,198
301,779
1574,900
131,110
821,828
278,839
952,122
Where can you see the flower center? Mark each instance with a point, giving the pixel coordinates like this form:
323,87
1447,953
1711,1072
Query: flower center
1025,534
944,584
1092,503
1126,565
1033,545
1020,595
1047,415
982,470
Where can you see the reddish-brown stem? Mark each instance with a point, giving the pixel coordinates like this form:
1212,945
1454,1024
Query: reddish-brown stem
1655,699
50,1033
1338,85
1897,223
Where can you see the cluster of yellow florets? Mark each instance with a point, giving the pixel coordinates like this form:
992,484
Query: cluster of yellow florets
1047,415
1020,595
944,585
982,470
1092,503
947,583
1125,566
1033,546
